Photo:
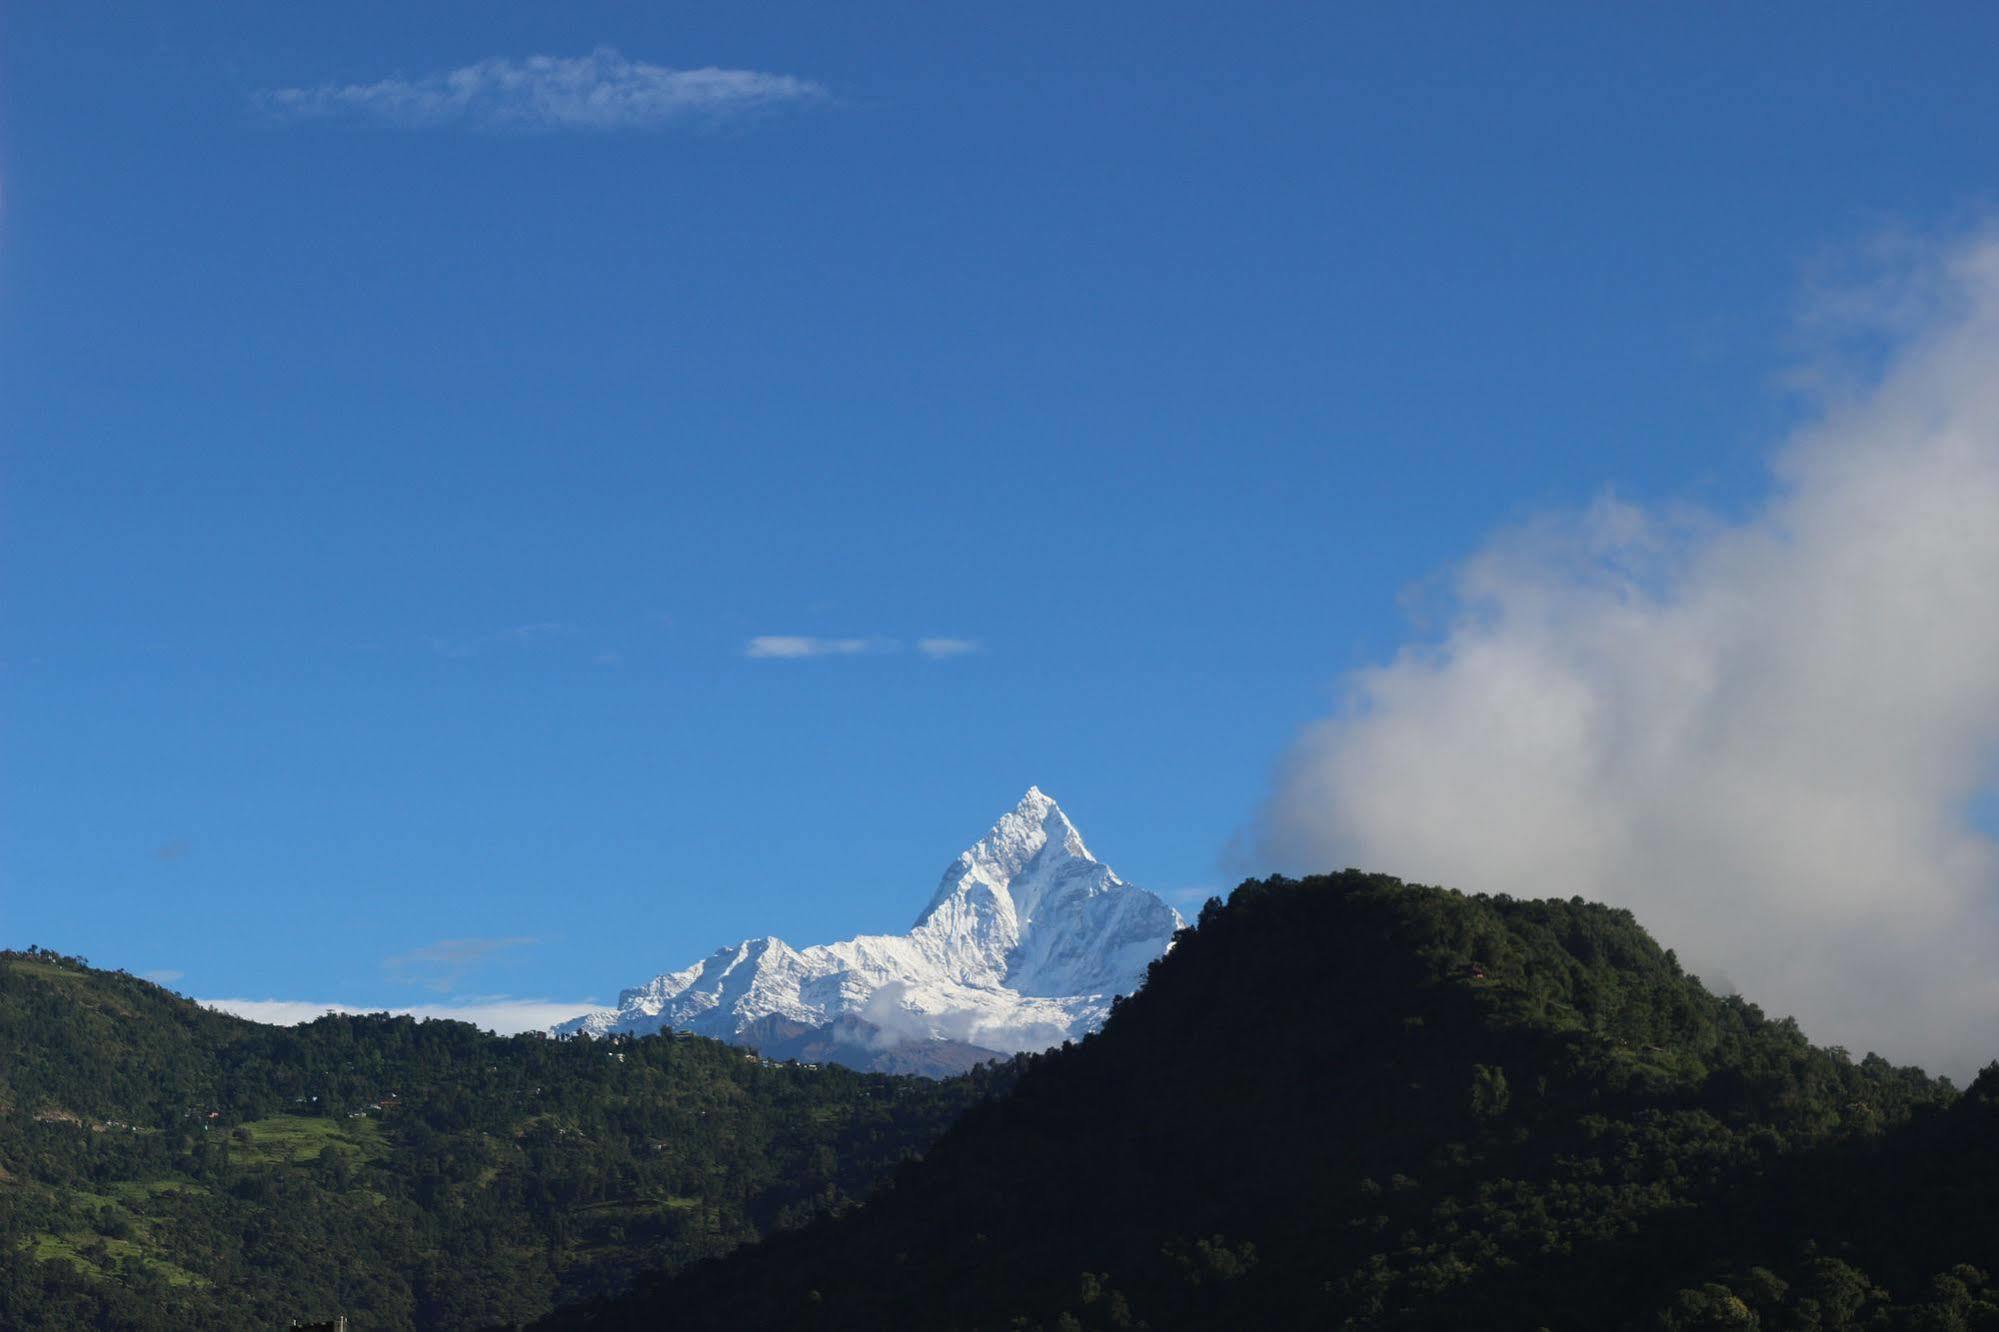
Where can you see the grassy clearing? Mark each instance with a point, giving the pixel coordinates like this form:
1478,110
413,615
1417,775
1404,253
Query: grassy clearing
87,1206
74,1248
126,1199
45,1247
293,1140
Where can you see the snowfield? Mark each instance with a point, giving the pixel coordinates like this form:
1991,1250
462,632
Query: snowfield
1023,946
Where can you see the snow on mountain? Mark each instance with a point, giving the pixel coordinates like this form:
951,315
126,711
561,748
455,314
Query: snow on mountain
1024,945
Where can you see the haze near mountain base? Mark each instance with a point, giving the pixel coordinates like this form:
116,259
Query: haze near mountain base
1024,945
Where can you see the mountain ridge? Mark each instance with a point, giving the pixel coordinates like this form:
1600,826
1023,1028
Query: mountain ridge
1026,942
1480,1112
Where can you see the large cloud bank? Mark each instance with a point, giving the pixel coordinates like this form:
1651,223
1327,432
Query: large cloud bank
1769,737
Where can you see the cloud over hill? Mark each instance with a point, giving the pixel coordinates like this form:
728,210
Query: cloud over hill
1768,735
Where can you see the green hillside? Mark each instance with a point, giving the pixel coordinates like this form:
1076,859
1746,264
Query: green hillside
166,1166
1351,1102
1342,1102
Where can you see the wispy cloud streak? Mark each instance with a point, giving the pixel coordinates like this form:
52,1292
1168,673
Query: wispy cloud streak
599,92
792,647
786,647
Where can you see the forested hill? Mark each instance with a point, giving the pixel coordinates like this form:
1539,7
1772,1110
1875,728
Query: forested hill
1348,1101
163,1166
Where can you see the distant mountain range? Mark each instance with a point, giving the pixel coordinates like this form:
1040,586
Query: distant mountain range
1024,945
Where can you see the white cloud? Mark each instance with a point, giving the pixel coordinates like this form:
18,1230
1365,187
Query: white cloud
597,92
769,647
897,1020
1765,736
496,1013
163,976
783,647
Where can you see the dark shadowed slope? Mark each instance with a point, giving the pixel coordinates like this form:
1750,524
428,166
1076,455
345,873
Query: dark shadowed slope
1350,1101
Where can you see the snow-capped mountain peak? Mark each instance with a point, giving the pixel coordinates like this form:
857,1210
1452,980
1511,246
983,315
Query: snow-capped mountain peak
1034,830
1023,945
1016,908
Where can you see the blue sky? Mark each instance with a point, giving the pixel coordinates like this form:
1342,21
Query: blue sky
396,481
